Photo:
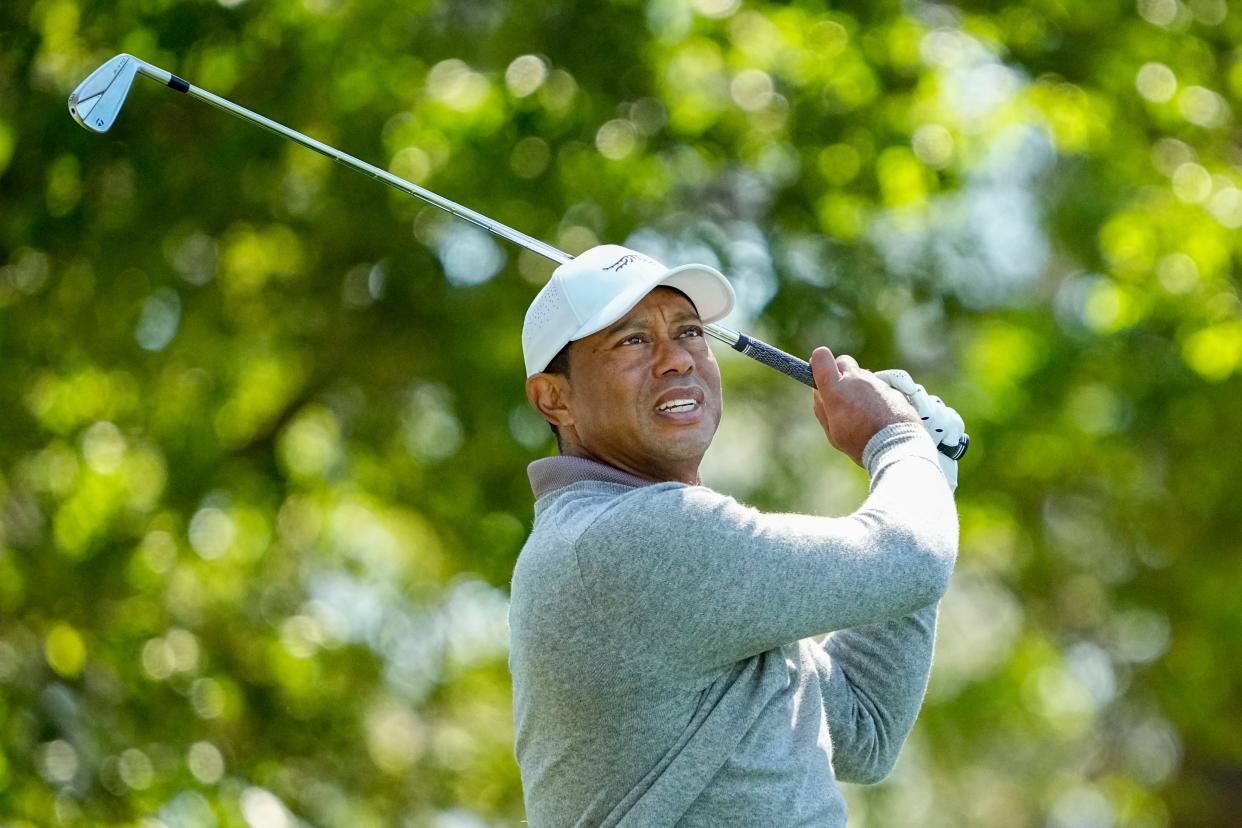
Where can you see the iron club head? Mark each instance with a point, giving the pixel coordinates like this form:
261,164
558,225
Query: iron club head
98,99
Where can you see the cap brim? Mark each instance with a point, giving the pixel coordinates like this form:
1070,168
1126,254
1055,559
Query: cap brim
706,287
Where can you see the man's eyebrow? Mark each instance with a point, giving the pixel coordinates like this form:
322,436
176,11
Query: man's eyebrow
628,324
645,322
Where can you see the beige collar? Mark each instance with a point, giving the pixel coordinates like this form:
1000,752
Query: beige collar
551,473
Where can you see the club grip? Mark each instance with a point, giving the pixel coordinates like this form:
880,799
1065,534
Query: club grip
800,369
787,364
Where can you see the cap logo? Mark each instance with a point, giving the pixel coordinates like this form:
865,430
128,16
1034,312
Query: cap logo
628,259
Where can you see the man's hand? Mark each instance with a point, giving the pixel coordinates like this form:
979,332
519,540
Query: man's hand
852,404
943,423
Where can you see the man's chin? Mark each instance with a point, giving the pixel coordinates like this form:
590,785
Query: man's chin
687,442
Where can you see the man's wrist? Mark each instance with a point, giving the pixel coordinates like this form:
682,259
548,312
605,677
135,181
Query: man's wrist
894,437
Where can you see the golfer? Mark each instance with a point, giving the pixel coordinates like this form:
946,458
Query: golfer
663,651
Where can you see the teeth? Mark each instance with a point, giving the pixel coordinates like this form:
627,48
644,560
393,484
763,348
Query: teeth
676,405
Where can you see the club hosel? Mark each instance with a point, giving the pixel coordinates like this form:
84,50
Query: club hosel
733,339
155,73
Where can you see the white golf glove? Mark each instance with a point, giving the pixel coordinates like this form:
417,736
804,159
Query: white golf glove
943,423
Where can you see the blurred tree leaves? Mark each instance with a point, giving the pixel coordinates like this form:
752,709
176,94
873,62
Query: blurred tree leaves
262,456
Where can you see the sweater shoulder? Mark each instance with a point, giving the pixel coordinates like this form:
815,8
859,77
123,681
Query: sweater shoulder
593,513
571,512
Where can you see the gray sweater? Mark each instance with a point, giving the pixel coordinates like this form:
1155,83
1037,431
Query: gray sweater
662,652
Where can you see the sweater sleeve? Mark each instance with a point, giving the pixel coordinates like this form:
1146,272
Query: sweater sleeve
873,680
705,581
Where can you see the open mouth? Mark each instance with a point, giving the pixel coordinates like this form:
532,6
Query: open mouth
684,404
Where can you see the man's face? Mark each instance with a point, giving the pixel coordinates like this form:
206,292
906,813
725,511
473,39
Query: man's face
644,394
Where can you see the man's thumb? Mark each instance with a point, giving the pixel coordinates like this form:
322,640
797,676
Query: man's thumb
824,368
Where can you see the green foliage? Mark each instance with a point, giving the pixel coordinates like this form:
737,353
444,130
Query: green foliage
264,434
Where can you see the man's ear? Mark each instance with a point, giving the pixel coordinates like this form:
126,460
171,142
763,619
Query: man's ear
549,394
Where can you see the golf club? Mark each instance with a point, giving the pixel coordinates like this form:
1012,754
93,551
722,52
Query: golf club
97,102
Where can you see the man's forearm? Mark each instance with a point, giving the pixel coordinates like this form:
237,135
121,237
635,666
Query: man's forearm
874,679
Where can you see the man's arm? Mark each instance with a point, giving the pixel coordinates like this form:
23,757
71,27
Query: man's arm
873,680
703,581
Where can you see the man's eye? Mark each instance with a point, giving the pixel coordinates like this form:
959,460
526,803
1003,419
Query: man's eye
635,339
695,331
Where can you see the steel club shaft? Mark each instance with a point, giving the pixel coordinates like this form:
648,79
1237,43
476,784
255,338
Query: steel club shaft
97,101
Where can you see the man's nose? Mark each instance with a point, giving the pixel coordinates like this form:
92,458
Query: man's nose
672,357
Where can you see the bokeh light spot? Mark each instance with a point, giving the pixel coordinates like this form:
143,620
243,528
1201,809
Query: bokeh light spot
716,8
1192,183
1156,82
136,769
263,809
1214,352
1226,207
412,164
310,445
933,144
430,429
1203,107
525,75
1209,12
103,447
456,85
616,139
205,762
157,659
394,737
57,761
468,255
1159,12
752,89
211,532
1178,273
207,698
159,320
65,651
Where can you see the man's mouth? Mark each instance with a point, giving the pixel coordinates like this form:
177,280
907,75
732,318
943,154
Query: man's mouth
683,405
677,406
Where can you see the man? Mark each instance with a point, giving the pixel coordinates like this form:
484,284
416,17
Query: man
665,670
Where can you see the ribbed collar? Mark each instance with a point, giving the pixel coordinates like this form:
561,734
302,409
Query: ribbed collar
551,473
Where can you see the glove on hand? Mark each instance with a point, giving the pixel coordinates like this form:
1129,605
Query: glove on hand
943,423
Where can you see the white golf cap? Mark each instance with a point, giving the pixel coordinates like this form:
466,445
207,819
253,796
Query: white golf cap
599,287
